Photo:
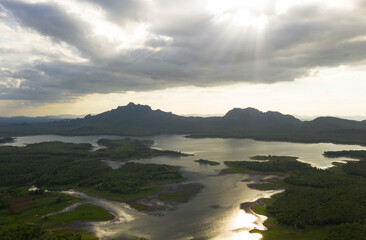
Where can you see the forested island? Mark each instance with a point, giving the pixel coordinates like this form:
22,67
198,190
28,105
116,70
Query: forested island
49,166
207,162
274,158
316,204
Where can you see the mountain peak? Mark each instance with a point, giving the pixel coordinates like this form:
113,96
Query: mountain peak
133,106
255,117
240,113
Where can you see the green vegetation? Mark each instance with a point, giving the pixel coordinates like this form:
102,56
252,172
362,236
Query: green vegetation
171,196
269,184
207,162
22,206
6,140
36,232
358,154
274,158
317,204
139,207
126,149
126,197
82,213
56,166
259,209
348,231
278,231
352,168
279,164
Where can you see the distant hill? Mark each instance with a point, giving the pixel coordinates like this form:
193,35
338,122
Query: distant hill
253,117
43,119
22,119
332,123
138,120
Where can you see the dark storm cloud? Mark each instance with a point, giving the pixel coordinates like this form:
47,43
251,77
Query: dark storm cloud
185,46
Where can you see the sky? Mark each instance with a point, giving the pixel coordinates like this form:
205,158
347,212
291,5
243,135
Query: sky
192,57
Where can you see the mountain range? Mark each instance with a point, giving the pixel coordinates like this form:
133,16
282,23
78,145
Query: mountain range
139,120
24,119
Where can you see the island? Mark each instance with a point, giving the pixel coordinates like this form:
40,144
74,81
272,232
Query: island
127,149
207,162
356,154
279,165
273,158
315,204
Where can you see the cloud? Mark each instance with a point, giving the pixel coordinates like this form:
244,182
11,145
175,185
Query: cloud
52,21
57,51
126,10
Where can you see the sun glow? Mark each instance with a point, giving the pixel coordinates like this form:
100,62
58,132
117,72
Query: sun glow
219,6
244,220
243,17
239,13
239,226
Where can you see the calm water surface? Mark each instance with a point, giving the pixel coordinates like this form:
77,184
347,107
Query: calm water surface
214,213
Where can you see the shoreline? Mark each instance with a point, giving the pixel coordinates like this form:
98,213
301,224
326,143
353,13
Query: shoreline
152,203
363,144
247,206
125,211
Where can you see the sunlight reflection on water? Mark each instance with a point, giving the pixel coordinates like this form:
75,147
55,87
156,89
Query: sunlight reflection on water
239,224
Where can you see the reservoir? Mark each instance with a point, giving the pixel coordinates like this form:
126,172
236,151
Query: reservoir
214,212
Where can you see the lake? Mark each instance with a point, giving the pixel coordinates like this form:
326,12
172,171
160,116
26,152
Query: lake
214,213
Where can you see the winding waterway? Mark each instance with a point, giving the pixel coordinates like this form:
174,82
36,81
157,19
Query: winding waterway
214,213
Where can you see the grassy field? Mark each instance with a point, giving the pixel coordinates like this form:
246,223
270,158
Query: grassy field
139,207
82,213
127,197
171,196
31,208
